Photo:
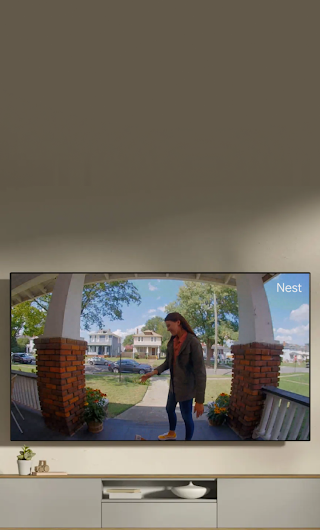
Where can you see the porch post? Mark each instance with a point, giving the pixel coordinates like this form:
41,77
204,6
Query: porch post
61,358
256,356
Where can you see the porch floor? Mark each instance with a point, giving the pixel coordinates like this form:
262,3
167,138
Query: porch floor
34,429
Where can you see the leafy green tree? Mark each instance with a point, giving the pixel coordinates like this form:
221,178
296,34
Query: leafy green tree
18,344
27,318
158,325
195,301
101,300
98,301
128,340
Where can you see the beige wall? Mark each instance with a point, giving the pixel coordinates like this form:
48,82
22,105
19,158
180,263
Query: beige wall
229,150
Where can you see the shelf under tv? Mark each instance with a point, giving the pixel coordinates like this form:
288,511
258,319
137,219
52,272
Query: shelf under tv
159,490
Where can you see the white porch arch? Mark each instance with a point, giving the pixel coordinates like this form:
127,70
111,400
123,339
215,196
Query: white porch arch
256,345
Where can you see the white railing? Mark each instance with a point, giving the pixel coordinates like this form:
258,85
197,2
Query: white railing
283,412
25,389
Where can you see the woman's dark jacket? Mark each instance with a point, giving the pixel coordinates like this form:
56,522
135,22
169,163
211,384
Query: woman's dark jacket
188,379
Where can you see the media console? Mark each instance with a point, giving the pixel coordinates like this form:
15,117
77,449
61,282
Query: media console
78,501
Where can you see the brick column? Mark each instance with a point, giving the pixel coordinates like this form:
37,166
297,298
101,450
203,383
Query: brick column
254,365
61,382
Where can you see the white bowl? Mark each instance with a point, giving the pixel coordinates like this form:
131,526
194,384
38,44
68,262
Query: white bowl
190,492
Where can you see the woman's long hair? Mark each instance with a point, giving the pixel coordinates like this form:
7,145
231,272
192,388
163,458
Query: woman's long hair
174,317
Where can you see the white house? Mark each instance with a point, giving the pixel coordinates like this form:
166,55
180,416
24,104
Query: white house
220,351
290,354
147,342
30,348
104,342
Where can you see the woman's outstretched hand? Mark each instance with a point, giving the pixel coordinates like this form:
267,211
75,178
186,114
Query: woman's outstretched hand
198,409
144,377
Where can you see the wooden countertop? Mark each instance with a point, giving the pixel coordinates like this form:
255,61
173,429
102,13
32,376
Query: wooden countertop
180,477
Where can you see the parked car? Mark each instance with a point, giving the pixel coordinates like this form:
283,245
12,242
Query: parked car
99,360
307,363
23,358
129,365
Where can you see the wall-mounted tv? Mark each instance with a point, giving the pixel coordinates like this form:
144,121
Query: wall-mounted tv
160,356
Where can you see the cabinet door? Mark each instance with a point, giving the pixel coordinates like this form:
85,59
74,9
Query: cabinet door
50,502
268,502
159,514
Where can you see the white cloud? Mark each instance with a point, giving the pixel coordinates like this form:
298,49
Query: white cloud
283,338
158,298
152,311
152,287
299,330
129,331
302,313
162,308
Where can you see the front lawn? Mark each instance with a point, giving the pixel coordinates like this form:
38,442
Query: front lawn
297,383
24,367
121,394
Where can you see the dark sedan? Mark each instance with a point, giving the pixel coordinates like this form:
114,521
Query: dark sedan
129,365
100,360
23,358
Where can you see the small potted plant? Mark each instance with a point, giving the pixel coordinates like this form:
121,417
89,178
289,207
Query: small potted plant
25,460
218,410
95,410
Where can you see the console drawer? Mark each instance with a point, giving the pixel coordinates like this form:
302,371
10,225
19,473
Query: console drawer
159,514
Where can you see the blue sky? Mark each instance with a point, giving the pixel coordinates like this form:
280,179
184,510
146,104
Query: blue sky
289,310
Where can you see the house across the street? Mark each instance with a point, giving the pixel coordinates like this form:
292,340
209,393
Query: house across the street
147,343
104,342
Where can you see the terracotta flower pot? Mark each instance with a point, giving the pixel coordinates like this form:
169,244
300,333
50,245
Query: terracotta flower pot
95,426
215,423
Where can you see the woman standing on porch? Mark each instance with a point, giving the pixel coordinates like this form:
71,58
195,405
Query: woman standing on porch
184,358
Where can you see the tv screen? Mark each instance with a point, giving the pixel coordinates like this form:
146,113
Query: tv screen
163,357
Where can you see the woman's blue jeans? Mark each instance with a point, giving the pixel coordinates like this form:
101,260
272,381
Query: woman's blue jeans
186,413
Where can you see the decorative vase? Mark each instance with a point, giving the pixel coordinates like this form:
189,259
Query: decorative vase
190,492
95,426
25,467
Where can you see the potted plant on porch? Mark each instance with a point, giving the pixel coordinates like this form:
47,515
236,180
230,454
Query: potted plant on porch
95,409
218,410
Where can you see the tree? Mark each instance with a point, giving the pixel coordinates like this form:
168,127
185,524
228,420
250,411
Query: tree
100,300
18,344
158,325
195,301
26,317
128,340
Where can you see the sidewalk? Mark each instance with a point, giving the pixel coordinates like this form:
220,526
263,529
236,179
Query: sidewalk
152,408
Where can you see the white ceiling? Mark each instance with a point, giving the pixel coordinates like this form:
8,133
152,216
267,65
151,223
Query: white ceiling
28,286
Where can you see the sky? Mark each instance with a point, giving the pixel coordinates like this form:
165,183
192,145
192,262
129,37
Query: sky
289,309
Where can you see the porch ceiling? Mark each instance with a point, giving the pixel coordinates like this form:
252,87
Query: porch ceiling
26,286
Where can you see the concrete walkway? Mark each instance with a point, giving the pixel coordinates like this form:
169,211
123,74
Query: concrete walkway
152,408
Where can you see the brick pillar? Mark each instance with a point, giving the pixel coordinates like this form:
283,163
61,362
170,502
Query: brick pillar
254,365
61,382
